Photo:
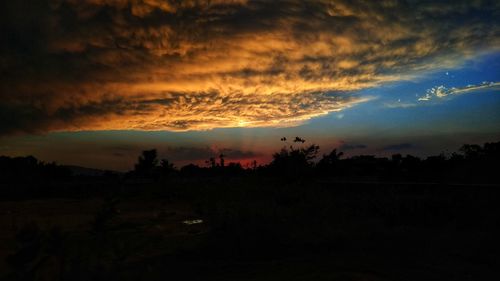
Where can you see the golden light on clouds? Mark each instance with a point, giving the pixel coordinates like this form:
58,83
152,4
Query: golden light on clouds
197,65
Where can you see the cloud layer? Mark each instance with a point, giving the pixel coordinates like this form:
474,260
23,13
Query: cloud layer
193,65
186,153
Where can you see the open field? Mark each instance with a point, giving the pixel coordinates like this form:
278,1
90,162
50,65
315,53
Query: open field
254,229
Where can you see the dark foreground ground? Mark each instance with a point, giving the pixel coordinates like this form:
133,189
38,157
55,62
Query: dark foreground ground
255,229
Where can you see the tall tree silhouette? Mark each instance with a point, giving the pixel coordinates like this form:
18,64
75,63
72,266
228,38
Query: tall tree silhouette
147,161
221,158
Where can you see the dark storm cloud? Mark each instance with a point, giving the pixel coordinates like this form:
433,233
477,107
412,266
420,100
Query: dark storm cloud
347,146
399,146
182,153
204,153
187,65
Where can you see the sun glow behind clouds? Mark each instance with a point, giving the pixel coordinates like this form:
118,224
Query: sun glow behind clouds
199,65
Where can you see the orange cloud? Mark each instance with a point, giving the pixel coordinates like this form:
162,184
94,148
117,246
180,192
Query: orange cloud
198,65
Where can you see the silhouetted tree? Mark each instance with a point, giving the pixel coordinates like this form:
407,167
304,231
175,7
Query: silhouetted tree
221,158
329,159
472,151
294,160
397,159
480,163
254,164
492,150
26,169
147,162
211,162
298,139
192,170
329,163
233,169
166,167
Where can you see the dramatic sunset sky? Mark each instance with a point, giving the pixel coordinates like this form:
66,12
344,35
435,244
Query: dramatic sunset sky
94,82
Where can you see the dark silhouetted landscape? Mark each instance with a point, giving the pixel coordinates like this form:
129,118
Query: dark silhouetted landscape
304,216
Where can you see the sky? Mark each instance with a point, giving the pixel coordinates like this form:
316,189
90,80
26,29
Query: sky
94,82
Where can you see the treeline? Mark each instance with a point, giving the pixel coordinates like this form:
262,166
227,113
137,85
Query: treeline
471,163
30,169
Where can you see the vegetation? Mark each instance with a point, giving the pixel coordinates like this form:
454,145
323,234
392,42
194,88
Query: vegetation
472,163
301,217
